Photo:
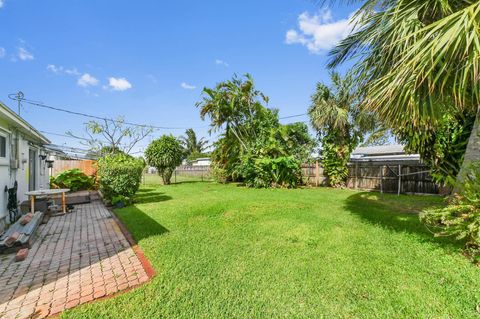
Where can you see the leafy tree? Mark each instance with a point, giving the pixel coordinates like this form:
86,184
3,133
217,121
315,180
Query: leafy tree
191,144
417,60
235,108
165,154
253,146
340,124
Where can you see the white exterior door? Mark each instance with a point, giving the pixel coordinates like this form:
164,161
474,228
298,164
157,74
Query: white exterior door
32,169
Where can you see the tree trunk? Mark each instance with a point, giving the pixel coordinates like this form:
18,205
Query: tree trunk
472,153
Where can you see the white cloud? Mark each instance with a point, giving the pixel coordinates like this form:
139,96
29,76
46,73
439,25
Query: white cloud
87,80
54,69
3,52
24,55
119,84
221,62
73,71
318,32
61,70
2,3
187,86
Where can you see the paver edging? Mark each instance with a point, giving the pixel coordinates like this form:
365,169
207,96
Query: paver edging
133,244
149,270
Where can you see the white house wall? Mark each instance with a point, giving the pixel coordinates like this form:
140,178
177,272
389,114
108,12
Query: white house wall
8,175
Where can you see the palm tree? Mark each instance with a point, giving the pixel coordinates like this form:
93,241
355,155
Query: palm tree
340,124
233,104
415,60
191,144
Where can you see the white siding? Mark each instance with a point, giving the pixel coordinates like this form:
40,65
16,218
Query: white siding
9,175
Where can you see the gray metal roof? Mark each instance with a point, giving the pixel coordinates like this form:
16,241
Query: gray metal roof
378,150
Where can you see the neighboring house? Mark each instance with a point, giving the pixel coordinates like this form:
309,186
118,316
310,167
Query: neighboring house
384,154
203,161
23,158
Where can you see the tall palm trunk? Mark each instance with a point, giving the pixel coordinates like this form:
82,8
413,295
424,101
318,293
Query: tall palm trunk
472,153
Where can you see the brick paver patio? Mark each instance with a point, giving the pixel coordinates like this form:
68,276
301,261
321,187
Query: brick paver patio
75,259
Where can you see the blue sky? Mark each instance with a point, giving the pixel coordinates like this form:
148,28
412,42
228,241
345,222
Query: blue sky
149,60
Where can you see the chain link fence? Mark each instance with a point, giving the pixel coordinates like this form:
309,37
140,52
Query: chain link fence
182,174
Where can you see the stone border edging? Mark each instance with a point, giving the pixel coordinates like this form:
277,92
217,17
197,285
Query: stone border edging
138,251
149,270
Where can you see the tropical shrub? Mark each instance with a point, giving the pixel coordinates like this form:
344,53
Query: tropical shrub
461,218
219,174
165,154
119,174
341,125
253,146
120,201
414,61
441,144
335,158
263,172
74,179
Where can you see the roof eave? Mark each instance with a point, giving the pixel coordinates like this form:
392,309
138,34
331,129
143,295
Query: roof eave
29,129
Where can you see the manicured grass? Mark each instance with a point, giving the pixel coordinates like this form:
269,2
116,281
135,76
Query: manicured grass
223,251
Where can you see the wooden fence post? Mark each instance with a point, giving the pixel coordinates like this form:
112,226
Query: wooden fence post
381,178
317,173
356,175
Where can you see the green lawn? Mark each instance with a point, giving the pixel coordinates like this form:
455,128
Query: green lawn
231,252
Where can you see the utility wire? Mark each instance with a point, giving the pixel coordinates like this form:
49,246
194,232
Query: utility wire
42,105
291,116
65,135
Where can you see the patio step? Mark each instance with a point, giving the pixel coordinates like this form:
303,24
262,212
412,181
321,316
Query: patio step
23,234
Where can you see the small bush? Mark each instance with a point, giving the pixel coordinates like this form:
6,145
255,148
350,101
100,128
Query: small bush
165,154
74,179
219,174
120,201
119,174
461,218
263,172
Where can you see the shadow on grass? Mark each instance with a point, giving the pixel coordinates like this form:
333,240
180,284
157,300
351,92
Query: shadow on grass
399,214
139,224
144,190
150,195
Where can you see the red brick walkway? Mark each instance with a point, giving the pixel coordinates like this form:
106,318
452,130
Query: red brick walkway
75,259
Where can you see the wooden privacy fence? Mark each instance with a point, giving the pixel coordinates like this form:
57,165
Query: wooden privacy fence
392,178
313,174
388,178
89,167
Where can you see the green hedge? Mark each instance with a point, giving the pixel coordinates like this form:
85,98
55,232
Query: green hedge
119,174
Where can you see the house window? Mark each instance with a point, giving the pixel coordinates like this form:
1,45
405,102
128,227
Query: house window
3,146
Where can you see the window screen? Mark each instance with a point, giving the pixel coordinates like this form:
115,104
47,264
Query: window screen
3,146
